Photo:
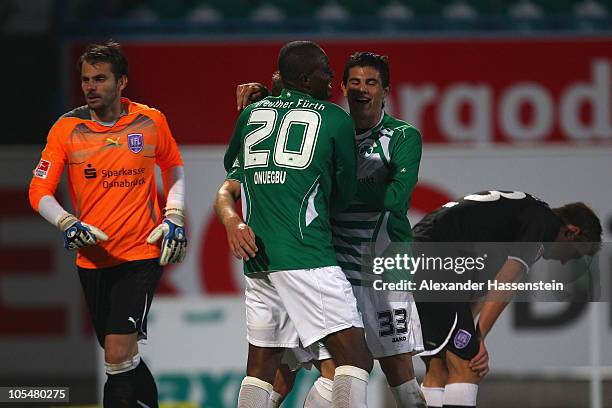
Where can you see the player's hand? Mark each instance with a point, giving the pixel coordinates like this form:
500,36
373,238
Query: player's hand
480,362
249,93
174,244
78,234
241,239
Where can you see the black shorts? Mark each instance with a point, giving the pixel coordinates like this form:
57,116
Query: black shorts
119,297
446,317
448,326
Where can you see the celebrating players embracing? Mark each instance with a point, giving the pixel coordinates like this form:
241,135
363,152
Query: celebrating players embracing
294,158
389,153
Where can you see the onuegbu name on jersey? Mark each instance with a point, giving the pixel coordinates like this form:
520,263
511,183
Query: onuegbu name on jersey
270,177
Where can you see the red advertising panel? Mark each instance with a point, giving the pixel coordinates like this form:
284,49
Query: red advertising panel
455,91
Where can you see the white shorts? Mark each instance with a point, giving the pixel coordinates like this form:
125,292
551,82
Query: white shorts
391,322
303,357
299,307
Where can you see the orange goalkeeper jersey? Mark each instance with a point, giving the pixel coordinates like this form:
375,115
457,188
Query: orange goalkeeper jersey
111,177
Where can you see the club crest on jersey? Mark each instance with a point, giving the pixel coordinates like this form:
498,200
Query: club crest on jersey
462,339
135,142
366,150
42,169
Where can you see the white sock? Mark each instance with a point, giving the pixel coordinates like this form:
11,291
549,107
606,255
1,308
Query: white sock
320,394
461,394
275,399
254,393
433,396
409,395
350,387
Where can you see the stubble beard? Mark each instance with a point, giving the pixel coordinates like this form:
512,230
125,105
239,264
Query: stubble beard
104,104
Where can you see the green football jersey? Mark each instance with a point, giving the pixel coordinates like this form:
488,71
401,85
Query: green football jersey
295,157
388,161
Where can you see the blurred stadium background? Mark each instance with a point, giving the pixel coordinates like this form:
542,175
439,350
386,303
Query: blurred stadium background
511,94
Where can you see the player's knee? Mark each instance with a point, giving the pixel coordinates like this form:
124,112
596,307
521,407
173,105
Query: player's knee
459,370
283,389
117,353
364,360
114,368
348,347
361,360
398,362
358,357
436,372
120,347
465,375
363,357
327,368
284,380
397,368
368,363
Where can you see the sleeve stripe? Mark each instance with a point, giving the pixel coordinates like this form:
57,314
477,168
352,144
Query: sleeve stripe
516,258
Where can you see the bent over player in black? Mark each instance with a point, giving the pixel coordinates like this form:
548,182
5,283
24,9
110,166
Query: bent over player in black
456,357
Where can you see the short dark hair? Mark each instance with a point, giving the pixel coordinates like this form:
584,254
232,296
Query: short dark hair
368,59
582,216
110,52
298,57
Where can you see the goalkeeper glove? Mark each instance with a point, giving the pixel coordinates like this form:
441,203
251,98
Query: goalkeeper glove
174,244
77,234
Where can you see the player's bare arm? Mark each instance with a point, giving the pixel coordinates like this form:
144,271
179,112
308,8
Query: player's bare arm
255,91
240,236
511,271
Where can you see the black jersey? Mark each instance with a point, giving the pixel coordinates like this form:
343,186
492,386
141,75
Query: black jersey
494,216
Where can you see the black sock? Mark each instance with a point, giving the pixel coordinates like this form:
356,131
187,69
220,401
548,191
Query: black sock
146,390
119,390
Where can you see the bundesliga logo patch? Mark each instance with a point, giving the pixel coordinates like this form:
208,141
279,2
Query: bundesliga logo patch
135,142
42,169
462,339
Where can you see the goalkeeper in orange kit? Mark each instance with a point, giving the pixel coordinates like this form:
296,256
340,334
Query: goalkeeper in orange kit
109,148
